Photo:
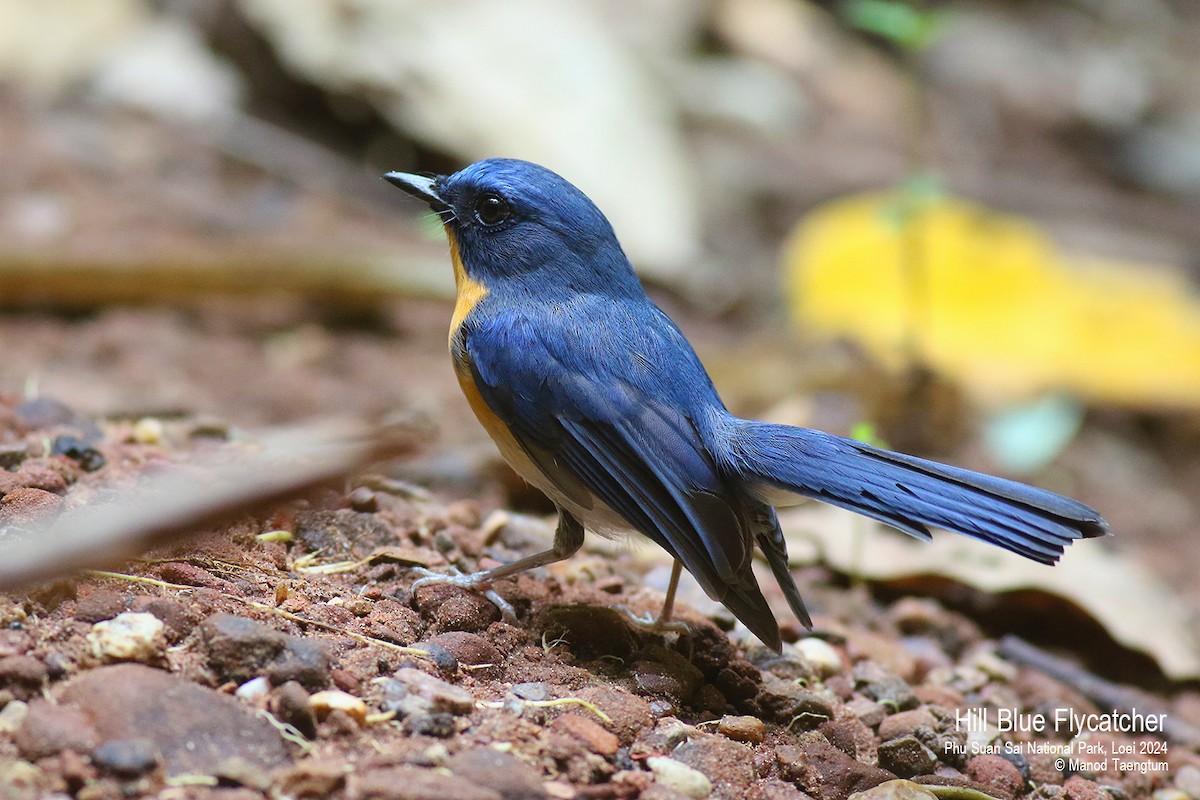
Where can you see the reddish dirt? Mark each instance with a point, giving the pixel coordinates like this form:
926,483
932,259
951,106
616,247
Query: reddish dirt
388,693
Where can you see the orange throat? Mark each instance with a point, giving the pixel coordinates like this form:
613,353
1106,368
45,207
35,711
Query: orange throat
469,291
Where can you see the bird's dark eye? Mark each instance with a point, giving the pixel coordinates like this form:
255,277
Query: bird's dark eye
491,209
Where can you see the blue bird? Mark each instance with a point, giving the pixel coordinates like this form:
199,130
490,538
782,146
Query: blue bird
595,397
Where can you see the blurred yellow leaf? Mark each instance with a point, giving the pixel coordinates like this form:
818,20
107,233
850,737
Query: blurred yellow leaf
990,301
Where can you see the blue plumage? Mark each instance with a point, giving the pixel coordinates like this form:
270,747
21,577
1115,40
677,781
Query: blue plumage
595,396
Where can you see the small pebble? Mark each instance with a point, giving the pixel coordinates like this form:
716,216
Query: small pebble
587,732
629,713
99,605
363,500
980,736
290,704
438,724
412,691
1077,788
413,783
874,649
435,755
892,692
58,665
669,676
48,729
942,696
44,412
906,723
126,757
86,455
238,648
727,764
345,680
907,757
1188,780
1171,794
466,612
243,772
997,775
743,729
148,430
867,710
680,777
24,780
24,676
37,473
173,614
253,689
898,790
130,636
312,777
303,660
325,702
11,455
24,504
539,690
13,715
557,790
498,771
846,734
986,661
441,656
469,648
820,655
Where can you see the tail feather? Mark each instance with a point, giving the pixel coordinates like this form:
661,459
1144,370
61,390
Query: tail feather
910,493
744,597
774,547
745,601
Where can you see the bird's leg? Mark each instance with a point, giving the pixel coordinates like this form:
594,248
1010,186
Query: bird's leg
664,616
663,621
568,538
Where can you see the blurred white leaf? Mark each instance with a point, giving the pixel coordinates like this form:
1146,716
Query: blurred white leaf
167,69
1135,607
49,44
551,81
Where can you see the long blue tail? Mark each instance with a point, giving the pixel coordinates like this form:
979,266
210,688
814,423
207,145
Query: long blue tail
905,492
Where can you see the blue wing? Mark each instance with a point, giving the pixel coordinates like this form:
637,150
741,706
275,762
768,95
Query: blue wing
603,403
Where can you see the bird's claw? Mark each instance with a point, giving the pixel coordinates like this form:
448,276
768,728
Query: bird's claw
468,580
654,622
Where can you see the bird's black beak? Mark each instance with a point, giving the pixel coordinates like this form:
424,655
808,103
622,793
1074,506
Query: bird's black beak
419,187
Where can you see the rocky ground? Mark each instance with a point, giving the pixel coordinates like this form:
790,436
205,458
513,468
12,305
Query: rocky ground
285,655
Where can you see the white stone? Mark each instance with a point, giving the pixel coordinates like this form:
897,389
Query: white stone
820,655
254,689
680,777
130,636
12,716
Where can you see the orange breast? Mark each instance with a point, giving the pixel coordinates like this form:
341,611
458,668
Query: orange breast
469,294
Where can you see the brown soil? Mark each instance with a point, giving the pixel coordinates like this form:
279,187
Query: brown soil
387,693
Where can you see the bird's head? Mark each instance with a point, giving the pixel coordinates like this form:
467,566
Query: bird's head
513,221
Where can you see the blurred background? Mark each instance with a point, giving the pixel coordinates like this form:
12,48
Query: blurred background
965,229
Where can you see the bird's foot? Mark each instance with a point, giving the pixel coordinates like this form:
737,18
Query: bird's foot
466,580
654,623
456,577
